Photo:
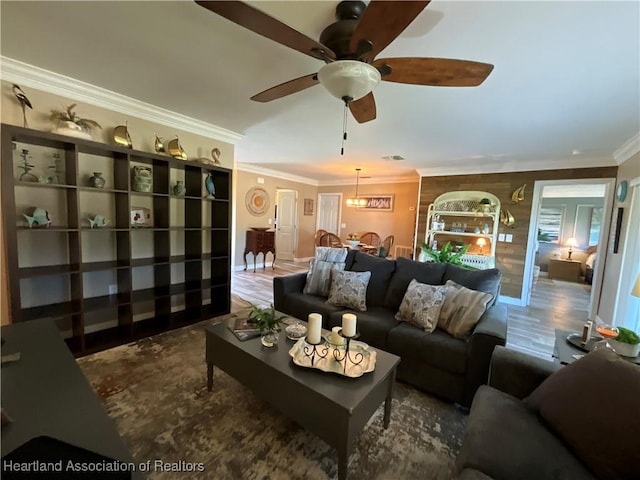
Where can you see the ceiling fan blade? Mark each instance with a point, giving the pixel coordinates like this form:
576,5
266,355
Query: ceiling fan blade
382,22
287,88
259,22
439,72
364,109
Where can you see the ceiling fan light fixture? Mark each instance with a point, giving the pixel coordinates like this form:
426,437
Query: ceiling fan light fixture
349,78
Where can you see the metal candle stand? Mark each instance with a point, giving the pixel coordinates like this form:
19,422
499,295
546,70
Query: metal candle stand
312,349
345,358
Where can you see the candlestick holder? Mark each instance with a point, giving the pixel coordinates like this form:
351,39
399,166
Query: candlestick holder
312,350
347,357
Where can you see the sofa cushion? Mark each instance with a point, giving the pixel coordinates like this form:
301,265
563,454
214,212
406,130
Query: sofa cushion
319,275
438,348
349,289
505,440
462,309
299,305
373,325
483,280
421,305
381,270
407,270
570,399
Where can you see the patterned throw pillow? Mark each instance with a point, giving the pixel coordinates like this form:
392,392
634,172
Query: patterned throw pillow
462,309
421,305
319,276
349,289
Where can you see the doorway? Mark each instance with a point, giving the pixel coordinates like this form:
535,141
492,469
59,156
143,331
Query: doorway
564,210
286,223
329,212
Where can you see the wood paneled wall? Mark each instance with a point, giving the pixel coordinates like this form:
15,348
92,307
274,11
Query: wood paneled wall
510,257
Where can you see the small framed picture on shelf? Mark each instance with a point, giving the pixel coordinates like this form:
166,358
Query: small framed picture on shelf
141,217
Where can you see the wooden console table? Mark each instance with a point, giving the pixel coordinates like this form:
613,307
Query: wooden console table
260,241
564,269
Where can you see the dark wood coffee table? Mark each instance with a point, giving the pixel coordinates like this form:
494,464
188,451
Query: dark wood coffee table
333,407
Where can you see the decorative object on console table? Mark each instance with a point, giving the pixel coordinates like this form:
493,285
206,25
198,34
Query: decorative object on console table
260,241
121,135
210,186
97,180
67,122
257,201
176,150
142,179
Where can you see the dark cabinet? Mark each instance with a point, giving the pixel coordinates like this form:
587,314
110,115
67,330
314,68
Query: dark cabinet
260,241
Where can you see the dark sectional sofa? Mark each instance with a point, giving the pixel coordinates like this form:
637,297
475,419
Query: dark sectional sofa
434,362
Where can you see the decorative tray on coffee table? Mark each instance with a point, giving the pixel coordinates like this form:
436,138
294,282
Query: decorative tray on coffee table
329,364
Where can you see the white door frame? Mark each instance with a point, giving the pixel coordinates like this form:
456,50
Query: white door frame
339,194
603,239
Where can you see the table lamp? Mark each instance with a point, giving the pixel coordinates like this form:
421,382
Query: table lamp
481,242
571,242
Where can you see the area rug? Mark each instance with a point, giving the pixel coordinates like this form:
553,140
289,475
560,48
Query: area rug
155,390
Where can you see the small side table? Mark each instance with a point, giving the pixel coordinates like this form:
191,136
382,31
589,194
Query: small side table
564,352
564,269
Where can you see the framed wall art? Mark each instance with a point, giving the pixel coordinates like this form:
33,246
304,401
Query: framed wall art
308,206
378,203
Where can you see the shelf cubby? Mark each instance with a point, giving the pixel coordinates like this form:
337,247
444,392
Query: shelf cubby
113,284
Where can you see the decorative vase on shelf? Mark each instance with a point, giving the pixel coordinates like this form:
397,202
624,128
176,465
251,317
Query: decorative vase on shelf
97,180
142,179
210,186
179,189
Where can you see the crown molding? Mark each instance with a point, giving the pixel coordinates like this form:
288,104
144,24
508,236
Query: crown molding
515,165
250,168
31,76
627,150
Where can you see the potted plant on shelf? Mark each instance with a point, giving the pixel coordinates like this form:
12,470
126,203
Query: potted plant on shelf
268,322
67,122
447,254
627,343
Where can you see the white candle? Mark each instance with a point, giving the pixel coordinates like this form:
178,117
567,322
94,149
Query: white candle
348,325
336,338
315,328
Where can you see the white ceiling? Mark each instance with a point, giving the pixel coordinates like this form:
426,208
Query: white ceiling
565,90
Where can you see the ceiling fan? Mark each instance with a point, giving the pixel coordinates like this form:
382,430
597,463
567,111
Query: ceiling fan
349,47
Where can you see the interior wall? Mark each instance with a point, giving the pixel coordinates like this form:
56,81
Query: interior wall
510,257
245,220
5,317
613,261
400,222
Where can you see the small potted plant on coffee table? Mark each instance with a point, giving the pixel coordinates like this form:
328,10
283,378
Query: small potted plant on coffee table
268,322
627,343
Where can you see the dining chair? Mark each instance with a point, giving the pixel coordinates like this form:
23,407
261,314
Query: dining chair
386,246
319,233
370,238
330,240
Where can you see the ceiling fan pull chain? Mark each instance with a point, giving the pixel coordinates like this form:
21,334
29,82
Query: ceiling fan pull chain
344,125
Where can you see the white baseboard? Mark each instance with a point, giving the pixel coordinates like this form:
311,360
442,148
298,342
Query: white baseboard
511,300
302,259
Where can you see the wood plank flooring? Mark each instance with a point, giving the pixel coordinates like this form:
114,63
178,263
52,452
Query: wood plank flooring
554,304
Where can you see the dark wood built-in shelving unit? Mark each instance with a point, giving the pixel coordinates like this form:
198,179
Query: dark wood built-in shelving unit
168,275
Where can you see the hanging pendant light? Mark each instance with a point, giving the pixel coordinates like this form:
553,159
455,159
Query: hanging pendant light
355,201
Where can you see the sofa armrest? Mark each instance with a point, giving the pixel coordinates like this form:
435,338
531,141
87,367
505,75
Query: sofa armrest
517,373
283,285
490,331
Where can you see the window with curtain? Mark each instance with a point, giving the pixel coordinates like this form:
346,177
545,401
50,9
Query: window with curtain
594,228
